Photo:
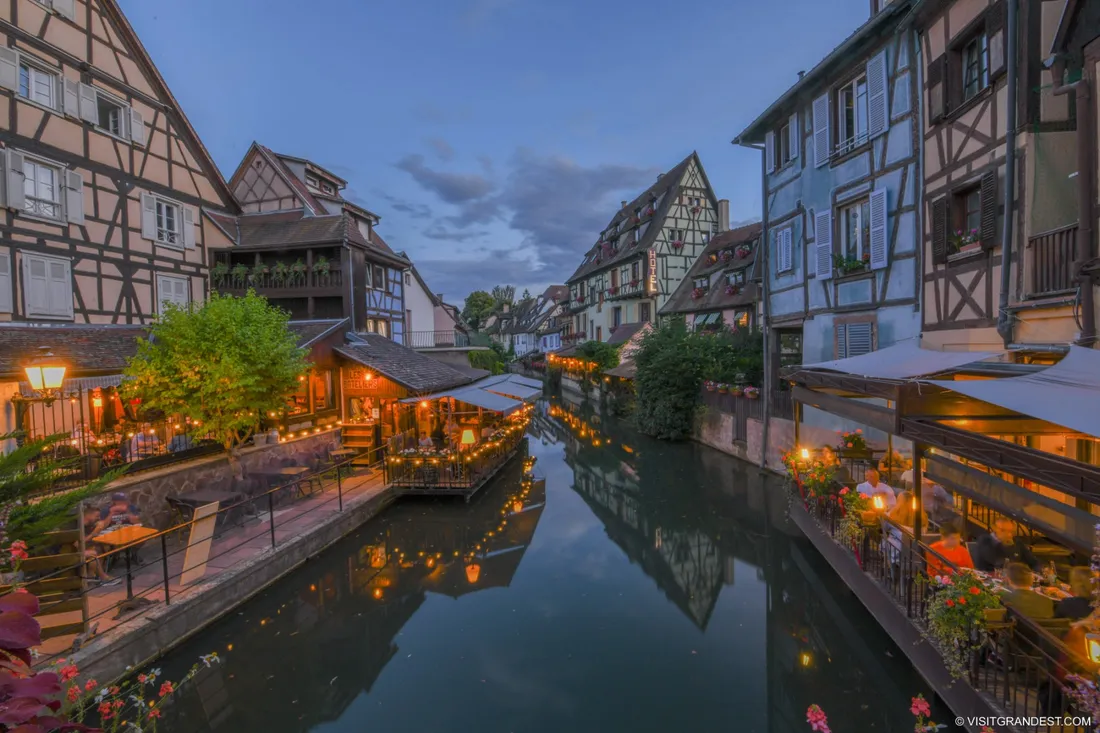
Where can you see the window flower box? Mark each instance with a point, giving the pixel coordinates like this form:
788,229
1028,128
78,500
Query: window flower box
743,251
725,255
697,293
650,211
634,283
733,290
678,245
712,258
696,209
849,265
723,388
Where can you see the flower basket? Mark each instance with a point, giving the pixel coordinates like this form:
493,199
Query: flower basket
852,442
743,251
733,290
697,293
239,274
736,391
963,241
321,266
650,211
956,617
579,299
752,393
677,245
634,283
298,270
257,273
972,247
696,209
723,388
725,255
709,385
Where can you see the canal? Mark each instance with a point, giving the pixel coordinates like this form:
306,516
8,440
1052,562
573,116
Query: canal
643,587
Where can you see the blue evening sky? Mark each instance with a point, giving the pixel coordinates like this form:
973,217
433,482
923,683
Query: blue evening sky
495,138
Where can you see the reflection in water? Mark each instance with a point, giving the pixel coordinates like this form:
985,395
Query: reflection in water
533,609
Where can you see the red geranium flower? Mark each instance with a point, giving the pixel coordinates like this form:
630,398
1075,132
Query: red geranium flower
974,591
844,491
105,711
73,694
89,685
950,603
962,600
166,689
154,713
920,707
68,672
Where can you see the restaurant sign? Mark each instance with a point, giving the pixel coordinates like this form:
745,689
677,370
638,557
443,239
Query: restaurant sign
651,280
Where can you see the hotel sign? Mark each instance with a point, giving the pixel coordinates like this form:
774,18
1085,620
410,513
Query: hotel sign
651,279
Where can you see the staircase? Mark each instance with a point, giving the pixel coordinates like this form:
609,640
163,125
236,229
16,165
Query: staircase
358,436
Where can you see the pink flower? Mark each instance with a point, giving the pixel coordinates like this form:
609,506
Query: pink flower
68,672
815,716
844,491
166,689
73,694
89,685
920,707
18,550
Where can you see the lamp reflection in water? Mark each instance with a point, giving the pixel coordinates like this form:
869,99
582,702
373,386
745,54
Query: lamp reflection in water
472,573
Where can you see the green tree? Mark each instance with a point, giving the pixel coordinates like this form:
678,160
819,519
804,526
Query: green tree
670,365
603,354
478,306
526,294
504,294
224,365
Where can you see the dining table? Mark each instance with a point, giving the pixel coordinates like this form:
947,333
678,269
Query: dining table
127,538
290,475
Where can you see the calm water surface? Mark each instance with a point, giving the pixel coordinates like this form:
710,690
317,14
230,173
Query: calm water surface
645,587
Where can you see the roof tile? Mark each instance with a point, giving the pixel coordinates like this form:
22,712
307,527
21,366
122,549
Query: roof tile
411,369
681,301
83,349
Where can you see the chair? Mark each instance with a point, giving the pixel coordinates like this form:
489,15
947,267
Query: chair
60,595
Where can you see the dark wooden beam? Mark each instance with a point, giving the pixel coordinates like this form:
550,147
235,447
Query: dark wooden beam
847,383
873,416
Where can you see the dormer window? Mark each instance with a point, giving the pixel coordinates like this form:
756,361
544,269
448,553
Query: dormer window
701,283
328,187
312,181
736,278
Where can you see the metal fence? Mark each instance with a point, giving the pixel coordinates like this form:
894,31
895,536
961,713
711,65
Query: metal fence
413,470
1019,664
436,339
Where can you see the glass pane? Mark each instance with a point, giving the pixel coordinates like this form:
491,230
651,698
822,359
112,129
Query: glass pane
24,82
865,228
861,108
43,88
851,232
46,189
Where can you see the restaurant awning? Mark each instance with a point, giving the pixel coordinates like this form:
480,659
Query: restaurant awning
905,360
511,385
1066,394
476,397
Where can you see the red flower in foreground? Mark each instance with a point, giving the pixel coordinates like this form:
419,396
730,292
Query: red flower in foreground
920,707
154,713
950,603
105,711
844,491
18,550
962,600
166,689
68,672
73,694
89,685
815,716
849,445
974,591
142,678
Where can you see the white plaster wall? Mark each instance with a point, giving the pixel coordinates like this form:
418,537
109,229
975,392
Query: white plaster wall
420,303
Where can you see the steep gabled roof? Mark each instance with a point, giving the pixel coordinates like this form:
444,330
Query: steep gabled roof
83,349
291,180
681,300
624,332
411,369
665,189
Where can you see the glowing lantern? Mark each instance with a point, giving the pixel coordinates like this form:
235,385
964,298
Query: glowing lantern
423,404
97,402
1092,643
45,372
805,659
517,507
468,437
377,593
805,454
472,573
878,502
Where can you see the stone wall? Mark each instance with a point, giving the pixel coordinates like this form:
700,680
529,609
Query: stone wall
150,490
714,428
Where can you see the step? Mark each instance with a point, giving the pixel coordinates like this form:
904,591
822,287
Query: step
354,443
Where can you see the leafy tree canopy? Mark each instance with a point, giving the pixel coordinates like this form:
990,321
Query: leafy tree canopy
224,365
603,354
504,294
477,308
526,294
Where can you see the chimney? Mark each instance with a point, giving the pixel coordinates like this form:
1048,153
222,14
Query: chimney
506,306
439,296
801,74
723,215
622,204
660,175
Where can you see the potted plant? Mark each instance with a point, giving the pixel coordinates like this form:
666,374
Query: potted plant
697,293
634,283
847,265
678,245
258,272
956,618
239,275
735,390
696,209
752,393
723,388
964,241
580,298
743,251
709,385
280,273
321,266
650,211
853,508
219,272
733,289
298,271
712,258
852,441
726,255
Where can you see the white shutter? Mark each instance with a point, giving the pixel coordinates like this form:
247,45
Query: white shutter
9,68
65,8
89,104
188,227
769,151
137,127
878,97
5,284
36,288
821,130
858,338
795,133
14,192
74,197
823,233
148,217
879,239
841,341
71,97
181,294
60,280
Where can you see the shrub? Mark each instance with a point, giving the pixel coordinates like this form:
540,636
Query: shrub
489,360
604,355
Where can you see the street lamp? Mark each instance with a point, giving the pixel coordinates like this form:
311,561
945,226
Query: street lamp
46,374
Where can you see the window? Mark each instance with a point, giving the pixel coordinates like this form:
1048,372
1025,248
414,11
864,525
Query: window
168,222
321,384
41,189
741,319
736,278
851,114
643,312
379,277
599,333
298,403
617,316
701,283
675,235
854,339
635,269
112,115
614,279
783,146
707,321
5,283
47,286
969,206
37,85
378,326
327,187
311,180
173,290
975,66
855,231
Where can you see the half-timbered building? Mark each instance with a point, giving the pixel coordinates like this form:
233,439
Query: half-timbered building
841,188
644,252
971,137
107,187
306,248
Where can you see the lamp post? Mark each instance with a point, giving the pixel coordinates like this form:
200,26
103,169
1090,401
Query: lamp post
46,374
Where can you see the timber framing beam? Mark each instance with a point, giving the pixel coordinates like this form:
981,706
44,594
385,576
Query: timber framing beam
874,416
847,383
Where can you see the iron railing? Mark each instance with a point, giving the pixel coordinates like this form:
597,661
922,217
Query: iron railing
414,470
1052,256
436,339
1018,664
321,280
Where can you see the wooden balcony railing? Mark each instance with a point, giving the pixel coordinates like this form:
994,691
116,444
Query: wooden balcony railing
1051,263
332,279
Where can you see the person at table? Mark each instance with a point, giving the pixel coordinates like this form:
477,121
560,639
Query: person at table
1021,597
830,460
426,441
120,511
873,486
144,443
949,549
937,502
93,525
902,518
1002,546
1079,605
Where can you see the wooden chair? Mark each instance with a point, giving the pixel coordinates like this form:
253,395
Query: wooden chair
60,596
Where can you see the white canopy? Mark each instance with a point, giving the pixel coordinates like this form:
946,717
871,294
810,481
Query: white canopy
1066,394
905,360
511,385
472,395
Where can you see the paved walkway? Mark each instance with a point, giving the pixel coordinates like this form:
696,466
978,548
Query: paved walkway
235,542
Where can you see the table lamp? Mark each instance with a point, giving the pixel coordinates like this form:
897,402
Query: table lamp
468,438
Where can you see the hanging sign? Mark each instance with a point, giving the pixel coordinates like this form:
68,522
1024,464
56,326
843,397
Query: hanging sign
651,281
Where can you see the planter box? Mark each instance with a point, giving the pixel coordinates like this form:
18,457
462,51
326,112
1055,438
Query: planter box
855,455
995,615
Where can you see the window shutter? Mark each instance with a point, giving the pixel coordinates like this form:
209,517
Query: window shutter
879,238
995,31
769,151
70,95
823,224
5,284
878,95
936,89
60,287
859,339
188,216
821,130
939,231
137,127
74,197
788,247
89,104
795,134
989,209
840,336
148,217
36,288
9,68
14,181
65,8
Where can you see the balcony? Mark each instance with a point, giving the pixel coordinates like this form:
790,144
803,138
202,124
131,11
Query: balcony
437,339
627,291
1051,265
575,305
290,285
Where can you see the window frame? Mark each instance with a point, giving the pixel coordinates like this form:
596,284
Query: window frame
735,275
163,232
58,170
981,37
782,146
69,313
701,283
841,242
312,180
377,270
37,66
178,278
124,132
644,313
842,142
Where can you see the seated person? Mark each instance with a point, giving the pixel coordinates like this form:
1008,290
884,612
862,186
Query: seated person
951,549
119,512
1079,605
840,472
426,441
873,487
144,443
937,502
903,515
1021,597
180,442
93,525
1002,546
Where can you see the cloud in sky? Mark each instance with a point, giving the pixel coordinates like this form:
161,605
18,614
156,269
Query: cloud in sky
442,148
454,188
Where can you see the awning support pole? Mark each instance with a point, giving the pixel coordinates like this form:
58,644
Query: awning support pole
918,489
